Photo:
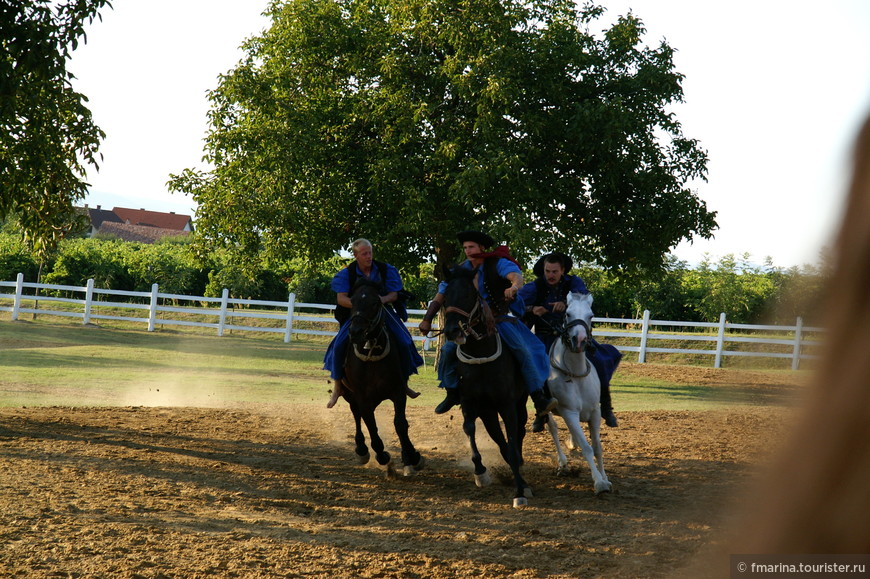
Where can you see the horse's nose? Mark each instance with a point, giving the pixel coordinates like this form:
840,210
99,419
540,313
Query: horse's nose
356,330
578,341
454,334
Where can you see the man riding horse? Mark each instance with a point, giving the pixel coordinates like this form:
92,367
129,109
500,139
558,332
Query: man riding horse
498,281
390,282
545,300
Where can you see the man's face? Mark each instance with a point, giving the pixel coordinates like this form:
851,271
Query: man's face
553,272
471,248
363,255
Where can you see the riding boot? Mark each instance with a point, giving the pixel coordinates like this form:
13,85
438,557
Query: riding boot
607,405
336,393
451,400
543,403
540,422
541,419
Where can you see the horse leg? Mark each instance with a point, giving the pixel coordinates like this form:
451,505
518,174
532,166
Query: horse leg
482,477
560,455
572,421
595,435
411,459
362,451
509,451
522,414
381,455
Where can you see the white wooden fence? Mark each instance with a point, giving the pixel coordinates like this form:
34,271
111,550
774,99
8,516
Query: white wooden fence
284,318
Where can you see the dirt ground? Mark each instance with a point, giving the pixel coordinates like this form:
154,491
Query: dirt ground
276,492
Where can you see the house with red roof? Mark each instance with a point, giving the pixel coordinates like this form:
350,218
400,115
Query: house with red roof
138,225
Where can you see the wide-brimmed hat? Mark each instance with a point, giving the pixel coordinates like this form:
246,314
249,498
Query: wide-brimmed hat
482,239
564,260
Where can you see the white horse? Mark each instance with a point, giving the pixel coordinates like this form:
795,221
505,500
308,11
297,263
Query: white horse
575,384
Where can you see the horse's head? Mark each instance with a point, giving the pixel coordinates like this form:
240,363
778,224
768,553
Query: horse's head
578,321
366,313
463,306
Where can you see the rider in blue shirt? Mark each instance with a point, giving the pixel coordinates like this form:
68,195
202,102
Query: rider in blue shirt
545,301
532,358
364,266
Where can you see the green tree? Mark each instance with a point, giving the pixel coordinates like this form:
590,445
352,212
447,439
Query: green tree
404,121
47,135
736,287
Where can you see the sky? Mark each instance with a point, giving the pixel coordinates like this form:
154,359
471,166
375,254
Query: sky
774,90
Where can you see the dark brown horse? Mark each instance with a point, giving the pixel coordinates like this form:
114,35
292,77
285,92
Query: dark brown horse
373,373
490,383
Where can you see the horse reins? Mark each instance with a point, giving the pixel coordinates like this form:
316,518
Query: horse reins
467,328
371,356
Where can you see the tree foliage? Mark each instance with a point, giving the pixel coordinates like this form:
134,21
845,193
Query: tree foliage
47,135
405,121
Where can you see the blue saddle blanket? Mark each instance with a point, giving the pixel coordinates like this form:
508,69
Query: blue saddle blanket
606,360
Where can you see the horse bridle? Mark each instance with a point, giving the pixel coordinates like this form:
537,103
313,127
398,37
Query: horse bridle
566,340
474,317
371,343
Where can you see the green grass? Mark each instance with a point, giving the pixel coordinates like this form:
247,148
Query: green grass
56,364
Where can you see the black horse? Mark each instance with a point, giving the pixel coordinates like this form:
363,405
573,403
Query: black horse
373,373
490,384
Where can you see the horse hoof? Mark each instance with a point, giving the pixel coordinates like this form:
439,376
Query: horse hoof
483,480
563,471
604,487
520,502
389,471
527,492
363,458
413,469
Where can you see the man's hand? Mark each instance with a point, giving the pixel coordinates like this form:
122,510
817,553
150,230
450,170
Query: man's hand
425,327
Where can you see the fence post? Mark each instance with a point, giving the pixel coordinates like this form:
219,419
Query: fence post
291,305
644,332
19,287
152,311
798,336
720,341
89,296
225,296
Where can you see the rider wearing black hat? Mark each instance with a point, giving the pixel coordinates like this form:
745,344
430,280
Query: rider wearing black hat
499,267
546,299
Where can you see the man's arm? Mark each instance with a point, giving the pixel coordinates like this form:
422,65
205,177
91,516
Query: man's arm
426,325
516,279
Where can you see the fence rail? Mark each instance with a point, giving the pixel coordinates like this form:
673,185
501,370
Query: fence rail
288,318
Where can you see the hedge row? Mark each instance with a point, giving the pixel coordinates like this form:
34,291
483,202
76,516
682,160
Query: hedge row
746,293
